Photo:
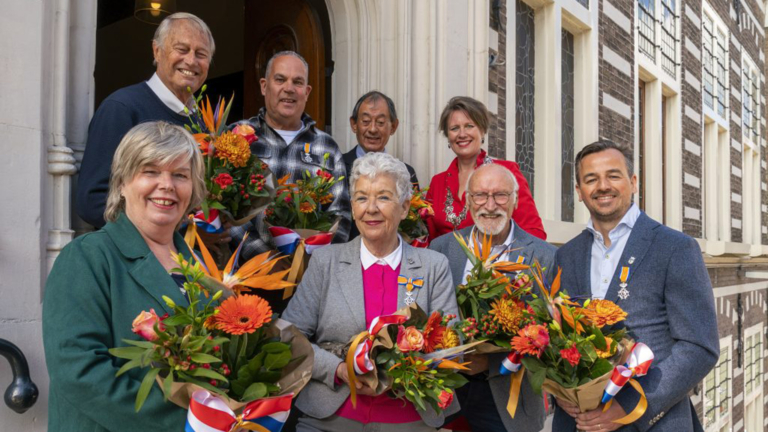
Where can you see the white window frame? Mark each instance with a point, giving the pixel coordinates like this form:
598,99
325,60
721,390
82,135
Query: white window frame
748,67
756,395
726,421
654,64
717,26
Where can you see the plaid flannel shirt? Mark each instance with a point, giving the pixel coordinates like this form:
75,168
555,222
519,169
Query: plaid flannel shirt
291,159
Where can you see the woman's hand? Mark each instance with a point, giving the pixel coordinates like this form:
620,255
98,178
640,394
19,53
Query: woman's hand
342,375
479,363
570,409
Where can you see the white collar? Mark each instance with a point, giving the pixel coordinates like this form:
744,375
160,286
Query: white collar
629,219
166,95
507,242
392,260
360,151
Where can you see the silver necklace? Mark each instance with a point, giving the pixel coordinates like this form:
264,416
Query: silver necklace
450,216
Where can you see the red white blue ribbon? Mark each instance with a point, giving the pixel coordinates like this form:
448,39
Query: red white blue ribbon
637,364
511,363
212,224
420,242
287,240
208,413
362,362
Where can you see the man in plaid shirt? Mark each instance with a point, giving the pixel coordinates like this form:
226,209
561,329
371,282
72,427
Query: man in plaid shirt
290,144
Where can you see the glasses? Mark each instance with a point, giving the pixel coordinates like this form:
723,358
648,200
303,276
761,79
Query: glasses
481,198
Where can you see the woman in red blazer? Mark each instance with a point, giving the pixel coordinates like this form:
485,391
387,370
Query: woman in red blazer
464,122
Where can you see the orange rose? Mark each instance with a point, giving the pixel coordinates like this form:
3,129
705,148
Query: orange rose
409,339
602,312
144,325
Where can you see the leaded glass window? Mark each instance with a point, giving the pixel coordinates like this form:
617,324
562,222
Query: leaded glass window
524,84
567,174
753,363
668,32
750,85
717,393
708,60
714,60
646,10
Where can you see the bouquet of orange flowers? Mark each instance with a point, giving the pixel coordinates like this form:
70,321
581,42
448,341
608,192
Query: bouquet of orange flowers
413,228
490,301
224,342
238,183
576,352
410,355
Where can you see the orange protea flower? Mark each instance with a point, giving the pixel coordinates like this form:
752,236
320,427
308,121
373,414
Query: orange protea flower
243,314
508,313
306,207
602,312
449,340
608,353
233,148
433,332
531,340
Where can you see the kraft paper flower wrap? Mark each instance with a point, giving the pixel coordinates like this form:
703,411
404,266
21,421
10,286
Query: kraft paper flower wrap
409,354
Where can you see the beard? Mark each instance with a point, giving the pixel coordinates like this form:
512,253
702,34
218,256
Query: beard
492,226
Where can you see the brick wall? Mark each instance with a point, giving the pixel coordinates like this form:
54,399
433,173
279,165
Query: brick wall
690,45
613,82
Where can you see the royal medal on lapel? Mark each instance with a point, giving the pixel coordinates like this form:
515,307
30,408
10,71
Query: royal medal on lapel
624,277
307,156
409,284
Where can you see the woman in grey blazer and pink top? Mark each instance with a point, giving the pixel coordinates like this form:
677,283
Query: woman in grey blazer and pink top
346,286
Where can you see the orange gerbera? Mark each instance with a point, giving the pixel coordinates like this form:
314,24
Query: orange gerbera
433,332
306,207
531,340
508,313
449,340
243,314
233,148
602,312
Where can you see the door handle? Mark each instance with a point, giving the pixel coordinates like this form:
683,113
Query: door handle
22,393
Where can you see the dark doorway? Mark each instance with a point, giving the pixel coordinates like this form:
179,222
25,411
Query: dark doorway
297,25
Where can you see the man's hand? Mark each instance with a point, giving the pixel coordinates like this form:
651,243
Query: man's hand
569,408
342,375
597,420
479,363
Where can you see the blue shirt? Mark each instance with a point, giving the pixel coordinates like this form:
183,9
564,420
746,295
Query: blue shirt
606,259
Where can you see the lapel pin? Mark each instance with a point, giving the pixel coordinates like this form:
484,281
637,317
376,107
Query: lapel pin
631,260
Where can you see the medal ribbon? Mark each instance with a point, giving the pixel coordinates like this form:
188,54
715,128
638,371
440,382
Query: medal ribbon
512,365
410,283
290,242
624,276
209,413
637,365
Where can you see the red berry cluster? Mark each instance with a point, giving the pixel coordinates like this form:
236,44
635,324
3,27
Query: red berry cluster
488,326
469,327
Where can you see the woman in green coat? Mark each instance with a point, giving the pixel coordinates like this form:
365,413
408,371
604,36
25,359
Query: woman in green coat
102,280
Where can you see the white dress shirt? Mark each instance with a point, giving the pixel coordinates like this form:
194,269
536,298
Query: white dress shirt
606,259
166,96
392,260
502,249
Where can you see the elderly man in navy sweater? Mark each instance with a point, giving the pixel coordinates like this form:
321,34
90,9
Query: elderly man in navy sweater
183,47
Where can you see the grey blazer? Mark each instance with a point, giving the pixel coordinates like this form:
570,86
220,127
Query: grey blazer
670,308
329,306
529,416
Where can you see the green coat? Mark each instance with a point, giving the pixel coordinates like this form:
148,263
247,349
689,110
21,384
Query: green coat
99,283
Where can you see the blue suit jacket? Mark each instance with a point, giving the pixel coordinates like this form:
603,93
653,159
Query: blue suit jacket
670,308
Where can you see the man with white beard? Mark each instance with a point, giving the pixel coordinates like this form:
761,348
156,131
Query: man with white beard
492,197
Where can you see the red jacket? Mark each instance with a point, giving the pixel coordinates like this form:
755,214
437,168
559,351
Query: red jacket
526,216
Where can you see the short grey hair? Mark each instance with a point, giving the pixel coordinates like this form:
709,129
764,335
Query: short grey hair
505,172
164,29
286,53
375,164
159,143
375,96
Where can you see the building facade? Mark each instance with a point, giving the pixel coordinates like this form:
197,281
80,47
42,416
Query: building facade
682,81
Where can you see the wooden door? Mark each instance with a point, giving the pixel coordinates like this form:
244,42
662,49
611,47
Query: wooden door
274,26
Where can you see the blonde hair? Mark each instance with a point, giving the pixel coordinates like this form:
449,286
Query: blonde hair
159,143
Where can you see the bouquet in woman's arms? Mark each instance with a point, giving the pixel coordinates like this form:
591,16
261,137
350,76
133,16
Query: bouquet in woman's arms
490,302
239,185
576,351
298,218
411,355
225,348
414,228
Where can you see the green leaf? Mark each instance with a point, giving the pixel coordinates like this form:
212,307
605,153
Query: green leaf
146,386
167,383
255,391
128,353
275,347
599,339
268,376
128,366
207,373
277,361
537,380
140,344
204,358
601,367
255,363
533,364
178,320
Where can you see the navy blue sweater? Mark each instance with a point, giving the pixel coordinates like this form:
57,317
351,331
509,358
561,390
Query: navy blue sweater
119,112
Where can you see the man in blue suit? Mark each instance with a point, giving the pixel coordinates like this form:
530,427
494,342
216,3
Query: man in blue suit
666,293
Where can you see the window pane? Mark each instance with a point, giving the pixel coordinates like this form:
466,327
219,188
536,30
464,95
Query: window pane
567,139
524,74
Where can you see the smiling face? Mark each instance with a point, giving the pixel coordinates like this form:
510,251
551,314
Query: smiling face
286,92
183,60
374,125
464,135
377,211
158,196
491,218
605,187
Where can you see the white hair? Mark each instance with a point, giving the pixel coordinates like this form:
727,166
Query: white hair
506,173
375,164
165,28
